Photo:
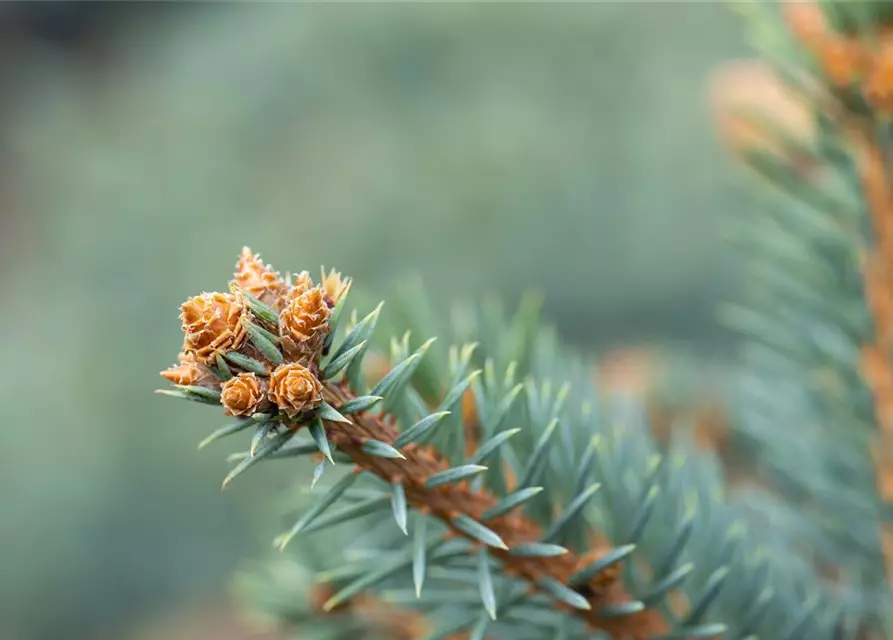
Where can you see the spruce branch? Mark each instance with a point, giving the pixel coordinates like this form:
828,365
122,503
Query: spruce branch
270,338
558,521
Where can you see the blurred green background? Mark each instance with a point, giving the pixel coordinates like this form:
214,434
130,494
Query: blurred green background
564,148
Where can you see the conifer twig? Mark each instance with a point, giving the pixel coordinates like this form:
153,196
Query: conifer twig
447,502
262,352
853,62
848,84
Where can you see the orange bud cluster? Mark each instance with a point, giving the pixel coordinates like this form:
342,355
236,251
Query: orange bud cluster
220,334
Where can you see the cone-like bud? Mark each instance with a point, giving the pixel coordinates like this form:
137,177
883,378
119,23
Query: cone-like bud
294,389
334,286
257,279
189,373
243,394
292,291
212,324
304,324
303,283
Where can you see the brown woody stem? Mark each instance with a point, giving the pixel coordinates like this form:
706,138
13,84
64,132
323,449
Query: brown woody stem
877,366
449,501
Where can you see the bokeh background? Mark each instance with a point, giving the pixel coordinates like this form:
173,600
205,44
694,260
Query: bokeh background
565,148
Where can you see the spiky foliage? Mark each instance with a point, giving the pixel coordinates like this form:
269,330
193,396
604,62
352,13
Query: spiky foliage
815,407
536,512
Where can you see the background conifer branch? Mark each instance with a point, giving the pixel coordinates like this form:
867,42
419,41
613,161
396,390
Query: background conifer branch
877,366
816,309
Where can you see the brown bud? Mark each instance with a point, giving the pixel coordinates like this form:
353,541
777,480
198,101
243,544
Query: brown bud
257,279
303,326
189,372
301,285
334,286
294,389
242,395
211,324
